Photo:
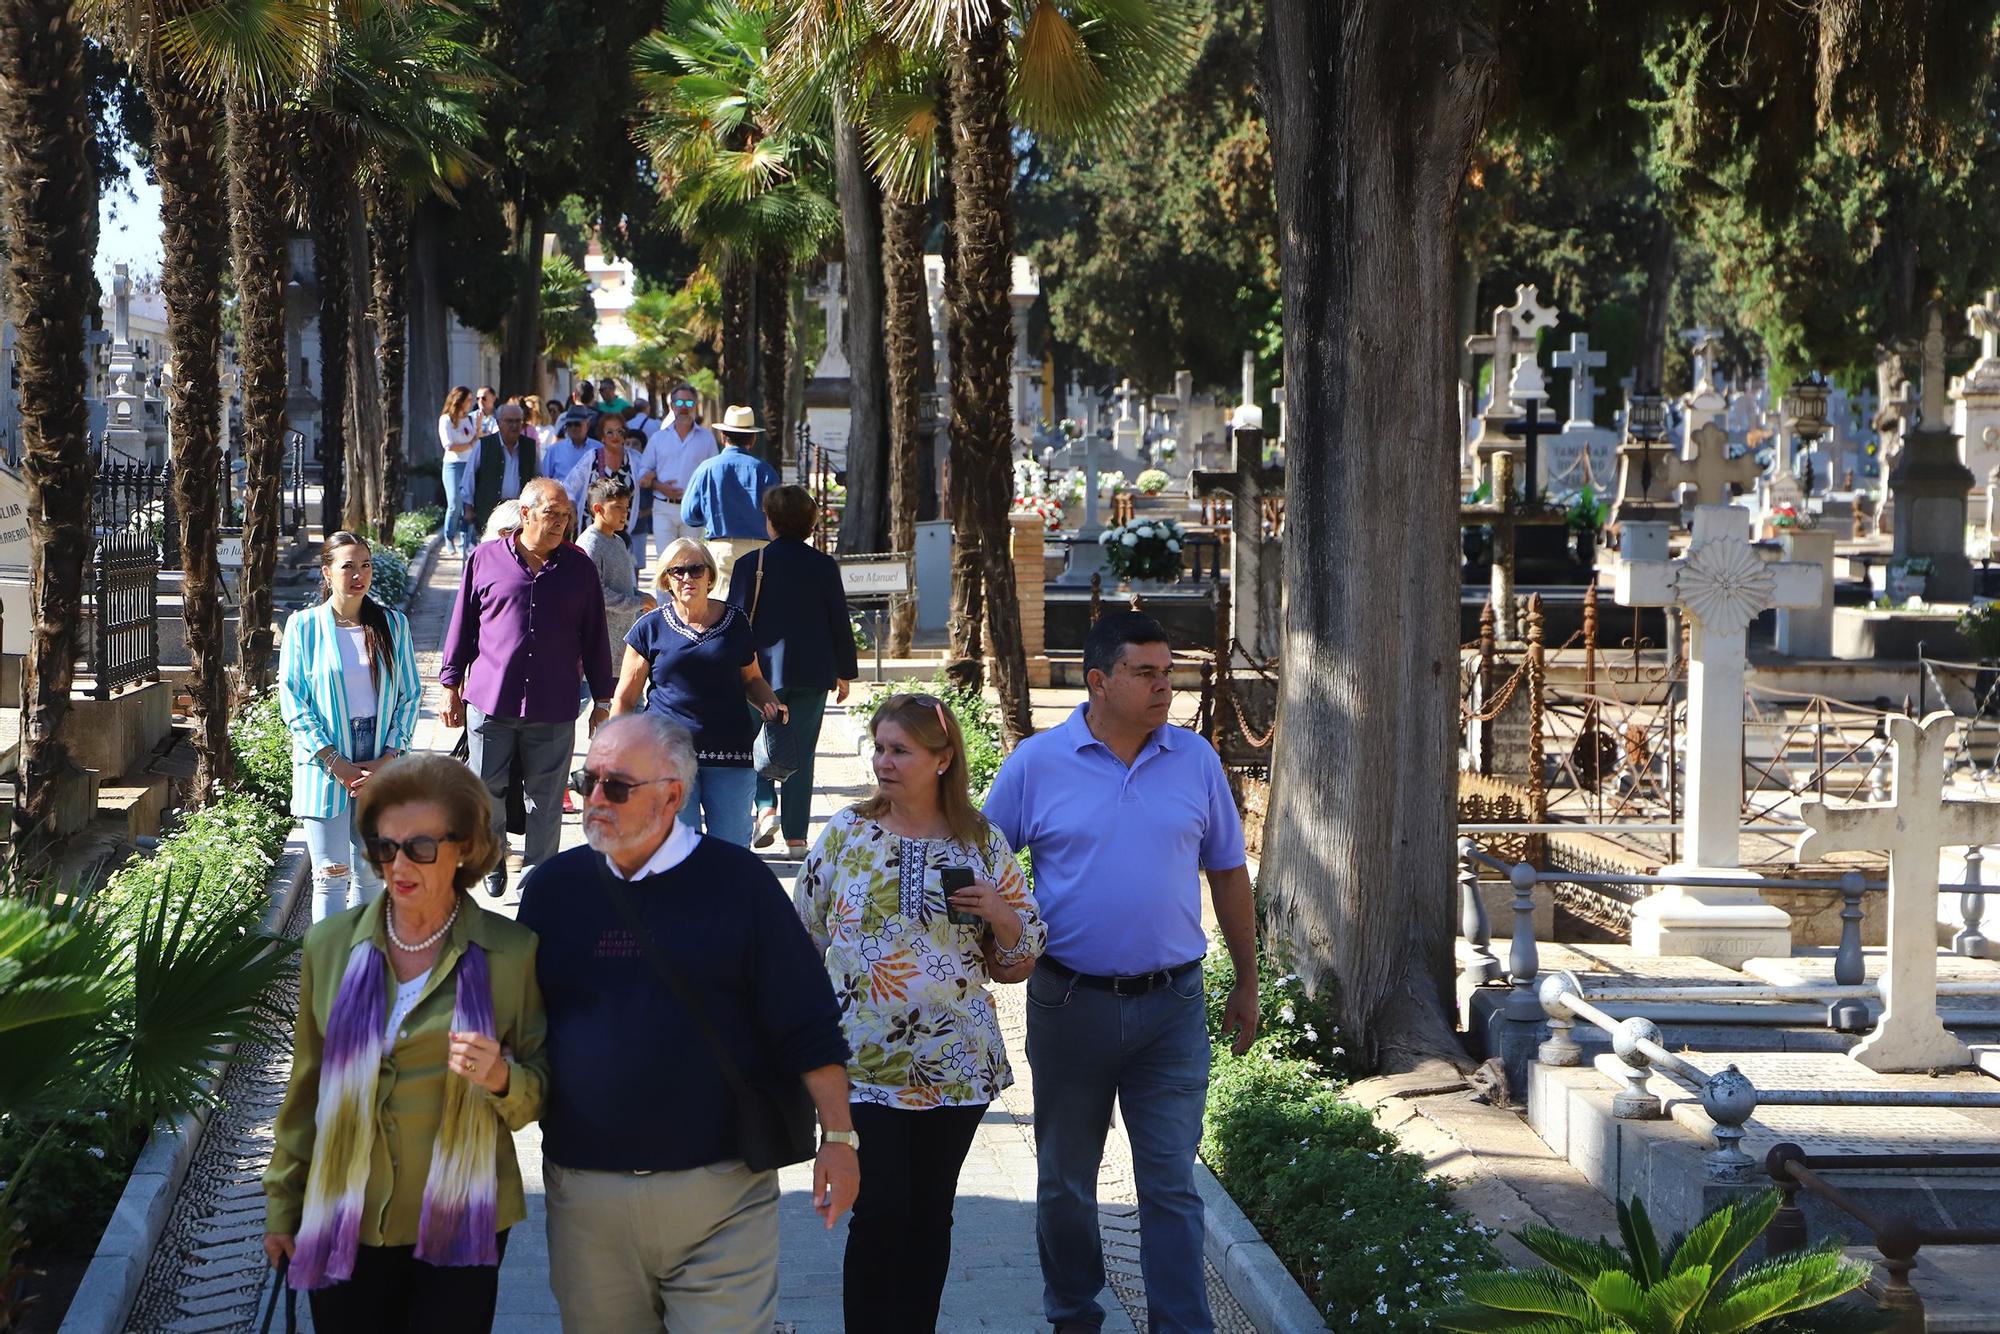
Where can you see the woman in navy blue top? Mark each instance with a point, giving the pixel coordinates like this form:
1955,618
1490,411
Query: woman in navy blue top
692,662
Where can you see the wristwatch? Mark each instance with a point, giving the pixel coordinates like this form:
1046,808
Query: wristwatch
851,1138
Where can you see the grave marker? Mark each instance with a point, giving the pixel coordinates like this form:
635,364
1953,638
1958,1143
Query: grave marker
1710,469
1255,562
1913,827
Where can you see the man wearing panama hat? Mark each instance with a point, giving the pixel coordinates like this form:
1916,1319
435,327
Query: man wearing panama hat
725,493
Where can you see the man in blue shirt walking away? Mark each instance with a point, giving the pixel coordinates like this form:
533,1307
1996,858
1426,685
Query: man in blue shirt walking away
1124,813
725,493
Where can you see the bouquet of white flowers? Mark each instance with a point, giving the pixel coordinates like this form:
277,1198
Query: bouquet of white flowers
1151,482
1145,549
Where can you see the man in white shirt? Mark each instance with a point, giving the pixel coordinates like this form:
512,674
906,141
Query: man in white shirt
670,459
485,422
642,423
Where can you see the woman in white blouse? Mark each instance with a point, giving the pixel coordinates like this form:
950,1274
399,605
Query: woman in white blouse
457,432
349,692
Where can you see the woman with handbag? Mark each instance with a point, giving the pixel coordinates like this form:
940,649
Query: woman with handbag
349,693
691,662
418,1049
805,647
911,894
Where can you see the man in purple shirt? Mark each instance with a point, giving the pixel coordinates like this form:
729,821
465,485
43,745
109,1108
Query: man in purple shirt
528,627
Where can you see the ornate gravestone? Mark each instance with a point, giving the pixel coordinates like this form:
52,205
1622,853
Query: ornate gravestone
1913,828
1930,484
1583,452
1709,471
1976,394
1720,585
1256,564
1511,326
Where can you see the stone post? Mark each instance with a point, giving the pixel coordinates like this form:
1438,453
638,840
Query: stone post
1026,551
1807,632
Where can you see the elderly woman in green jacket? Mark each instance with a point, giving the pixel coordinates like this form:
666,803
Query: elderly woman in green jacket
418,1049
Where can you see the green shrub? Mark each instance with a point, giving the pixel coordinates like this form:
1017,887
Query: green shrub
263,749
1151,482
414,527
1981,628
81,1160
391,584
222,853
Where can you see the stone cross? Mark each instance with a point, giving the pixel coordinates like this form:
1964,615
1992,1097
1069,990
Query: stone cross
121,307
1720,585
1125,394
1249,377
1930,407
1090,528
1711,469
833,364
1284,417
1511,324
1255,562
1580,361
1701,344
1913,828
1984,320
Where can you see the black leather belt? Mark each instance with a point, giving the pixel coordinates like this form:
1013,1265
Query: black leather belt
1137,985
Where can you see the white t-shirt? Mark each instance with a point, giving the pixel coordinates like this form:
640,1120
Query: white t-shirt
455,437
407,994
354,673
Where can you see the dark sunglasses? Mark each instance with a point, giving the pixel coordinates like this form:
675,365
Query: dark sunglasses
423,849
687,571
617,791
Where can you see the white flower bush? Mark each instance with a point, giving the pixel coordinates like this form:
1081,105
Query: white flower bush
1145,549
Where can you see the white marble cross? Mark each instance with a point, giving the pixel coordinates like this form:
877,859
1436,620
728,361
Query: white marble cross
1931,407
1711,469
1721,584
1984,320
1126,396
1701,346
1913,828
121,306
1580,361
1522,320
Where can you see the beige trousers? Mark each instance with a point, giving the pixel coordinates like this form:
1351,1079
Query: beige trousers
692,1252
729,550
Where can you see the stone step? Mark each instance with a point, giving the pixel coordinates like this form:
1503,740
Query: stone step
132,804
1960,1286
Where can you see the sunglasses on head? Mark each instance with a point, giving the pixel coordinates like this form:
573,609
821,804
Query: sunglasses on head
617,791
423,849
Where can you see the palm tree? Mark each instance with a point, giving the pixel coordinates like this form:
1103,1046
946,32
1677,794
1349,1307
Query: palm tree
1074,71
188,57
47,198
747,189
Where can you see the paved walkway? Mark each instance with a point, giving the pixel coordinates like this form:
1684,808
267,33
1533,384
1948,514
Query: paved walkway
201,1276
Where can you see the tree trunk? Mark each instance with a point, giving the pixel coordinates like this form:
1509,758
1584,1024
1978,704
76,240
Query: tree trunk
738,332
521,331
261,232
429,326
1654,302
864,523
968,578
389,245
187,158
331,169
364,387
1375,107
982,433
774,318
48,201
906,338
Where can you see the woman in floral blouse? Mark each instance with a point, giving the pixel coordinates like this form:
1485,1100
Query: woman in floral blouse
928,1055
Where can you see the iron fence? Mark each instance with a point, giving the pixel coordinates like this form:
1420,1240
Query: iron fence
125,640
137,500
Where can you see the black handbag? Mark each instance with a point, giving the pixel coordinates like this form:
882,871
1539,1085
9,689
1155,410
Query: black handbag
775,1119
775,754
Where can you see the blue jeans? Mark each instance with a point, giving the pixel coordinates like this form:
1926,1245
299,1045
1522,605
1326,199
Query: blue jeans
457,530
808,708
334,841
1151,1053
721,794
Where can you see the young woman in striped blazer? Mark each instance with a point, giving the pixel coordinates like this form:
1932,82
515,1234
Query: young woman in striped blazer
349,693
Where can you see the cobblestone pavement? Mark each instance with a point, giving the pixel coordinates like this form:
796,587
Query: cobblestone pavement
208,1275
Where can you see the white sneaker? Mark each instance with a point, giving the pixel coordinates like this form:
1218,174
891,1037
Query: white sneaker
766,829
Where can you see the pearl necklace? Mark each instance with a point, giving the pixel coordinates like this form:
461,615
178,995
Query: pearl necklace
389,920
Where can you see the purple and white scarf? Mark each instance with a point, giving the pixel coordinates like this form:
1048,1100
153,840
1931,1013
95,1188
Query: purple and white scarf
457,1227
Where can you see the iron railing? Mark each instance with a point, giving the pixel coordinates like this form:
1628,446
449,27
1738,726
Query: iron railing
137,500
125,641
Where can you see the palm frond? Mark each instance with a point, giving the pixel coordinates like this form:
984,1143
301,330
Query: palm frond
1528,1291
1581,1260
1781,1286
1641,1245
263,48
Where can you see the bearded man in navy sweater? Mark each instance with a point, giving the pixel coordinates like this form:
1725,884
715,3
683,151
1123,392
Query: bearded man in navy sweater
654,1219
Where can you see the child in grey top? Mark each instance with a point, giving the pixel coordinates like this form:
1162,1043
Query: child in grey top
610,500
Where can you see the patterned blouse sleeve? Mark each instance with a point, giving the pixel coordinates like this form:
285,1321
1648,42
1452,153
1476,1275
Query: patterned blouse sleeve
813,891
1013,887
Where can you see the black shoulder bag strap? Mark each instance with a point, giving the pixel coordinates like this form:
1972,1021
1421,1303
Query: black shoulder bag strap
291,1301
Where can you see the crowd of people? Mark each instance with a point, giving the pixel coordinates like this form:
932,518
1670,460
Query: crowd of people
670,1015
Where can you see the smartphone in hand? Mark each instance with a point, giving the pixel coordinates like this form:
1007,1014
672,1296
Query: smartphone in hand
953,879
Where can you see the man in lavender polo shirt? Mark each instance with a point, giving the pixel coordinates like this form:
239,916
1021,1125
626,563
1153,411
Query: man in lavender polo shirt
528,628
1124,813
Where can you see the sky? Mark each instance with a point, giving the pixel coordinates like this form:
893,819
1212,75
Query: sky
128,219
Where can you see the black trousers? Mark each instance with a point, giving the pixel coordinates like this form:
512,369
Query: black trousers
899,1239
393,1292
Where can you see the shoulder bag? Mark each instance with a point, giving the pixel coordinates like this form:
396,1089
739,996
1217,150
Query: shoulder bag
775,756
291,1300
775,1119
